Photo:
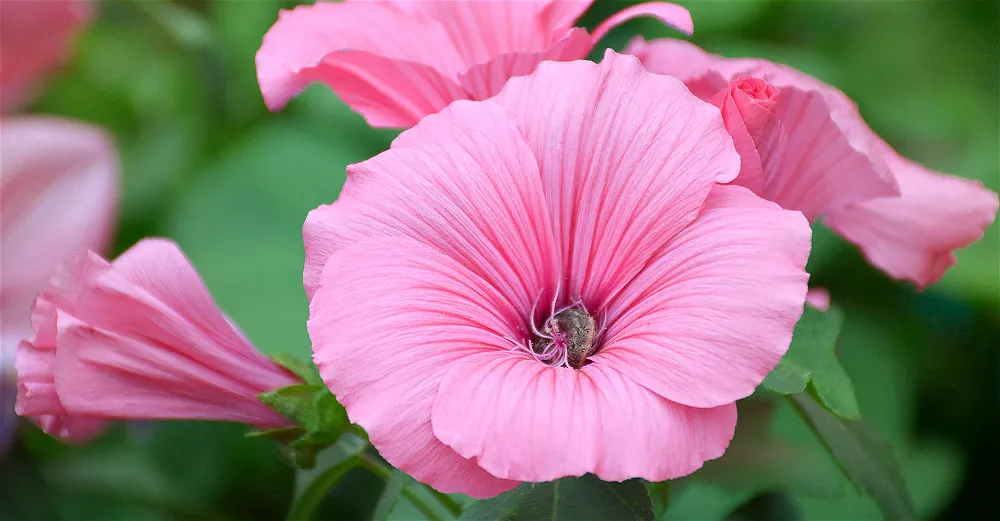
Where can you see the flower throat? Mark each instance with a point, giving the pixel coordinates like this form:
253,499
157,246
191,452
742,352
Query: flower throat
571,332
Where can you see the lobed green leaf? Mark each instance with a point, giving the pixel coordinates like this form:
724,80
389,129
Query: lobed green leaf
811,364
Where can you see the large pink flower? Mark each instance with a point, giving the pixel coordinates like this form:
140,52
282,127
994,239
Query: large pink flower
397,61
58,193
551,282
141,339
34,38
824,160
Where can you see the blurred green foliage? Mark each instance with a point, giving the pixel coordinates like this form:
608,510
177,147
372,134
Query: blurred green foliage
205,164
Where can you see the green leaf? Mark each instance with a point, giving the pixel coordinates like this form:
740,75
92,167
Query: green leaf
811,363
579,499
865,458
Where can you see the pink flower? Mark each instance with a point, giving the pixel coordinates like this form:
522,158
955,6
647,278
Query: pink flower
34,38
140,338
818,298
58,192
825,161
398,61
551,283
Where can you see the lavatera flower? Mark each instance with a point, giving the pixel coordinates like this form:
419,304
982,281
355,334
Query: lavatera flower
553,282
139,338
397,61
805,146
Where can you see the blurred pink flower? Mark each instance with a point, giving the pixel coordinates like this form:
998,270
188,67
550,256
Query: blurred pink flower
551,283
35,36
818,298
906,219
397,61
140,338
58,193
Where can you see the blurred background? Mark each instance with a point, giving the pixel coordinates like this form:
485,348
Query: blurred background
206,164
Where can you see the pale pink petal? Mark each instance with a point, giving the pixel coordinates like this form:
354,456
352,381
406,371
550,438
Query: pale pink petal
34,38
58,193
480,31
36,354
626,159
713,314
671,14
390,65
831,157
99,373
563,13
385,329
818,298
468,186
486,79
35,359
914,236
523,420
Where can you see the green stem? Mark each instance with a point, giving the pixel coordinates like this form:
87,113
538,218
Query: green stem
307,503
377,468
447,502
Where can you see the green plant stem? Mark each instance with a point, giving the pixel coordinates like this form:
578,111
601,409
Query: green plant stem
375,467
447,502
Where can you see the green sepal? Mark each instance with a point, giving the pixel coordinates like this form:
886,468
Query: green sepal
304,370
319,419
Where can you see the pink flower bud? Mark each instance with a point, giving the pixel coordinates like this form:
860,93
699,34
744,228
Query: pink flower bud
140,338
747,106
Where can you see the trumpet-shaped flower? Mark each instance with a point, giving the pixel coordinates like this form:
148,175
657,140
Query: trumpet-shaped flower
140,338
397,61
551,283
824,160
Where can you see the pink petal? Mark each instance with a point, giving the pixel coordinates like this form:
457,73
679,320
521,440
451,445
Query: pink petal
389,318
34,38
831,157
713,314
390,65
626,159
463,181
751,166
71,429
671,14
487,79
913,236
523,420
563,13
818,298
58,192
103,374
480,31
